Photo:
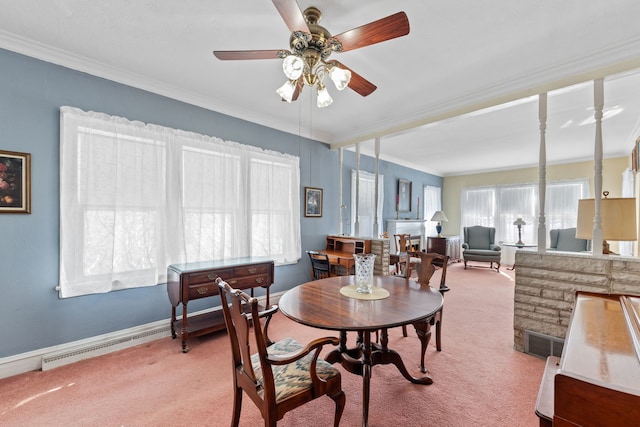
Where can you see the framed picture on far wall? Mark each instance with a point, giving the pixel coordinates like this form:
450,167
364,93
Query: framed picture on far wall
312,201
15,182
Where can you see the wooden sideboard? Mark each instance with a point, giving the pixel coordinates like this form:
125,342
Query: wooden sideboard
596,382
191,281
445,246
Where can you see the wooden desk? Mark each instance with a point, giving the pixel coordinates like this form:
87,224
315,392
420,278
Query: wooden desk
339,258
195,280
320,304
596,382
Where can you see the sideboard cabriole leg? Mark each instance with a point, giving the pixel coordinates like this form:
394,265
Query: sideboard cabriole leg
183,332
173,320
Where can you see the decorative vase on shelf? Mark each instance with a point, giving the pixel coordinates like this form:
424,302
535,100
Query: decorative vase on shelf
364,272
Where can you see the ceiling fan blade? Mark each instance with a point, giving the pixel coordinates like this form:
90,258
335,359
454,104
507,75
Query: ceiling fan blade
292,15
246,54
357,83
396,25
299,86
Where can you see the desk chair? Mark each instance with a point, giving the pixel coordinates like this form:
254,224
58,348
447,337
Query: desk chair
282,375
425,269
320,265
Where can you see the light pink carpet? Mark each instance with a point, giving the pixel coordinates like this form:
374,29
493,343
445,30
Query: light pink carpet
479,380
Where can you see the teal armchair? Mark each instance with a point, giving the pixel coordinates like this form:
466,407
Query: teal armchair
565,239
479,245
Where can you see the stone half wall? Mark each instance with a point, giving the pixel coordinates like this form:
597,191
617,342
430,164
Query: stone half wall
546,284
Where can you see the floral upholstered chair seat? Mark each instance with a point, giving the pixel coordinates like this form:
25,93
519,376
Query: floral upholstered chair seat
292,378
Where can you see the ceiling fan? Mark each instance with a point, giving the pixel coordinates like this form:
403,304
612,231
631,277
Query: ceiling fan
311,45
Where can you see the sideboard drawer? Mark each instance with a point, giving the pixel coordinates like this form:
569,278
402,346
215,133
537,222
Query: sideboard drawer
207,276
203,290
250,281
250,270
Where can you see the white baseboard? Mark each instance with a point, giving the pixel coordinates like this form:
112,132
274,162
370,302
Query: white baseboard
64,354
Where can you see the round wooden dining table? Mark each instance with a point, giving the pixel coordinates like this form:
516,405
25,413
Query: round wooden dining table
321,304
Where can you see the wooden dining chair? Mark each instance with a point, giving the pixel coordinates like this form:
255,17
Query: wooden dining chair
404,249
321,268
425,269
281,375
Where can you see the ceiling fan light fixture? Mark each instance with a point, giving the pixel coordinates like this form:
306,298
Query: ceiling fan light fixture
293,66
324,99
340,77
286,90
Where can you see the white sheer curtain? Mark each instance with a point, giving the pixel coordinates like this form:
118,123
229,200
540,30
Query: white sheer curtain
366,203
432,202
137,197
626,248
499,206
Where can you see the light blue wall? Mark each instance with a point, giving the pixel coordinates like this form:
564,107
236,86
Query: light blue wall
31,93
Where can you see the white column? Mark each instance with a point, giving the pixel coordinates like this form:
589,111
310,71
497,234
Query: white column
598,98
542,168
376,226
356,224
340,204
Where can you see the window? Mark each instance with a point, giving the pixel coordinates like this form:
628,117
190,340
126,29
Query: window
432,203
500,206
366,202
135,198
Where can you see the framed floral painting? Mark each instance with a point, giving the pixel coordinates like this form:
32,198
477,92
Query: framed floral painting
15,182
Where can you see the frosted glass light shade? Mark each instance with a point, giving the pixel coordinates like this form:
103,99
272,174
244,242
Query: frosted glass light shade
324,99
293,66
340,77
286,90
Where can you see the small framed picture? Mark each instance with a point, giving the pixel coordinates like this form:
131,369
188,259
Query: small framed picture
403,199
312,201
15,182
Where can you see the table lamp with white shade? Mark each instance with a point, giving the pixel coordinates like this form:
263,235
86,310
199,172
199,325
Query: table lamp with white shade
439,216
617,217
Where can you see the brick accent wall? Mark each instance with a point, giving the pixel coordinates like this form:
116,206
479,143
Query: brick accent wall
546,284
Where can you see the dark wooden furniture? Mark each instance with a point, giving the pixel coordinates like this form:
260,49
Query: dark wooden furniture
190,281
320,266
449,246
596,382
405,244
282,379
320,304
426,268
340,250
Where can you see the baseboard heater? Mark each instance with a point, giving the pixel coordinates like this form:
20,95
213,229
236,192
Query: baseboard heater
542,345
64,354
104,345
